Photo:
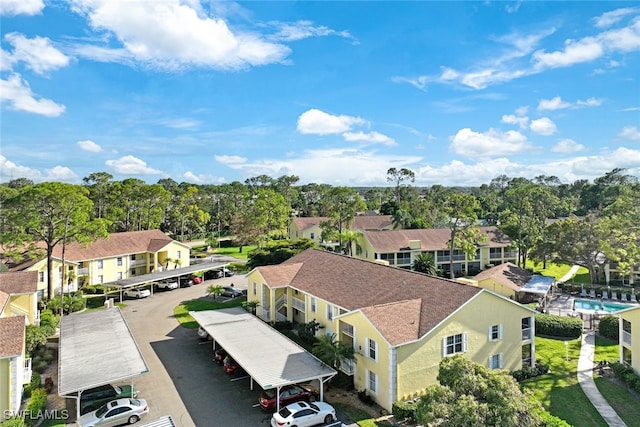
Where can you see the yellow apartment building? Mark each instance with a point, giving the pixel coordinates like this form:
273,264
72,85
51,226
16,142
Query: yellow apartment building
629,324
309,227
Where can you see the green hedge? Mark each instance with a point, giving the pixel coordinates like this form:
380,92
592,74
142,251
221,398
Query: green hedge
404,411
13,422
626,374
37,403
608,327
549,325
530,371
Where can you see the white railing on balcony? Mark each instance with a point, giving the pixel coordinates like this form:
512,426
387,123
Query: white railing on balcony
298,304
83,271
626,337
281,317
526,334
280,302
27,371
347,329
137,262
264,313
348,367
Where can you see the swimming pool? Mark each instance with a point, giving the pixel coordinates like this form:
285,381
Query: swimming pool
591,306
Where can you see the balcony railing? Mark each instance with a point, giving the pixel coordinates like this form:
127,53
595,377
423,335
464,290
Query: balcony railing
27,371
280,317
526,334
280,302
264,314
137,262
626,338
83,271
348,367
347,329
298,304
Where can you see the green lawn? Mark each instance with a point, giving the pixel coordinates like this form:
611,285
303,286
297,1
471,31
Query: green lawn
181,312
559,390
559,270
234,251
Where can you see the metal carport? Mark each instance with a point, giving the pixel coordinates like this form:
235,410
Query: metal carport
96,348
270,358
165,274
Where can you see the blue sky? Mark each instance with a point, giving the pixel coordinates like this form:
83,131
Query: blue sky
333,92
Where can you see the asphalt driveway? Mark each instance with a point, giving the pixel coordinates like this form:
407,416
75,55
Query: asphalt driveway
183,380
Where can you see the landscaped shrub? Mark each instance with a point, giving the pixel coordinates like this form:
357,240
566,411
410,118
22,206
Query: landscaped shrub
549,420
404,410
283,325
34,337
37,403
609,327
36,382
530,371
13,422
626,374
549,325
342,381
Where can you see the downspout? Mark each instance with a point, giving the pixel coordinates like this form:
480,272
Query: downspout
533,341
393,375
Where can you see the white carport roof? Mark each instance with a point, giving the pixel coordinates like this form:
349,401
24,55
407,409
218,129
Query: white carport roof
538,284
96,348
269,357
165,274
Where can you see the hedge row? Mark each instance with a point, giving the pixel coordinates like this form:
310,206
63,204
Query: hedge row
530,372
626,374
558,326
37,403
404,411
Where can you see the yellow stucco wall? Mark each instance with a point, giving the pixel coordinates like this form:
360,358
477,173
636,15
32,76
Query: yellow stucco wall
633,316
20,305
418,362
493,285
5,381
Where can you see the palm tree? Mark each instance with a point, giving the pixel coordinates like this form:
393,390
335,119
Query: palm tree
424,263
332,352
215,290
251,306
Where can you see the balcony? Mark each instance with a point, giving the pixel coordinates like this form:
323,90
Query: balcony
526,334
298,304
348,367
280,302
83,271
264,313
347,329
626,338
137,262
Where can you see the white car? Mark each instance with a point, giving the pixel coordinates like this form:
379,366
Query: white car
137,293
115,413
167,285
303,414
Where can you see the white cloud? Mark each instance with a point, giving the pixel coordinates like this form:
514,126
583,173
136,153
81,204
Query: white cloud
203,178
521,111
590,102
609,18
10,170
543,126
37,53
574,52
17,94
555,103
369,137
318,122
494,142
511,119
21,7
304,29
567,146
171,35
131,165
60,173
630,132
625,39
230,160
89,145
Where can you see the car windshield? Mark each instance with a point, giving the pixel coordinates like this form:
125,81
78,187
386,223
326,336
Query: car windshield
101,411
284,412
313,406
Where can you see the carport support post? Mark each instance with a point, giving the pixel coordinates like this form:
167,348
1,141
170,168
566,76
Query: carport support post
278,398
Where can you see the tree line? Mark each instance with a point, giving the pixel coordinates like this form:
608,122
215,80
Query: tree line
547,220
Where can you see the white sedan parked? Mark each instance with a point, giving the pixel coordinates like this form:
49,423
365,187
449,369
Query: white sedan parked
303,414
115,413
136,293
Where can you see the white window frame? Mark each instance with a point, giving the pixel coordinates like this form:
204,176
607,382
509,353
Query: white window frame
372,380
454,344
330,312
372,346
255,288
119,275
119,261
496,358
100,279
41,276
179,254
100,264
495,330
314,305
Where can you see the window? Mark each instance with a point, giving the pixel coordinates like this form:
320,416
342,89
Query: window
313,305
119,275
372,383
390,258
404,258
255,288
495,333
495,361
329,312
526,328
372,349
495,253
40,276
312,236
100,279
454,344
119,261
100,264
179,254
133,257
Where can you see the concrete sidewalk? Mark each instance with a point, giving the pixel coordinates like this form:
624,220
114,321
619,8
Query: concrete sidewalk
572,272
585,378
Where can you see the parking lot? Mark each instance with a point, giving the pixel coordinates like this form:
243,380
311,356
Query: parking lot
184,381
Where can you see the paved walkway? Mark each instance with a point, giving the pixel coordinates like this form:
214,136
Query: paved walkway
572,272
585,378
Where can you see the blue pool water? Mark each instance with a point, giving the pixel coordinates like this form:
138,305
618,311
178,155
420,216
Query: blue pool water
590,306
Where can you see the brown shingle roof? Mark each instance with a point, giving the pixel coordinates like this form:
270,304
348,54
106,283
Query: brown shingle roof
280,275
354,284
19,282
116,244
12,335
360,222
431,239
507,274
398,322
